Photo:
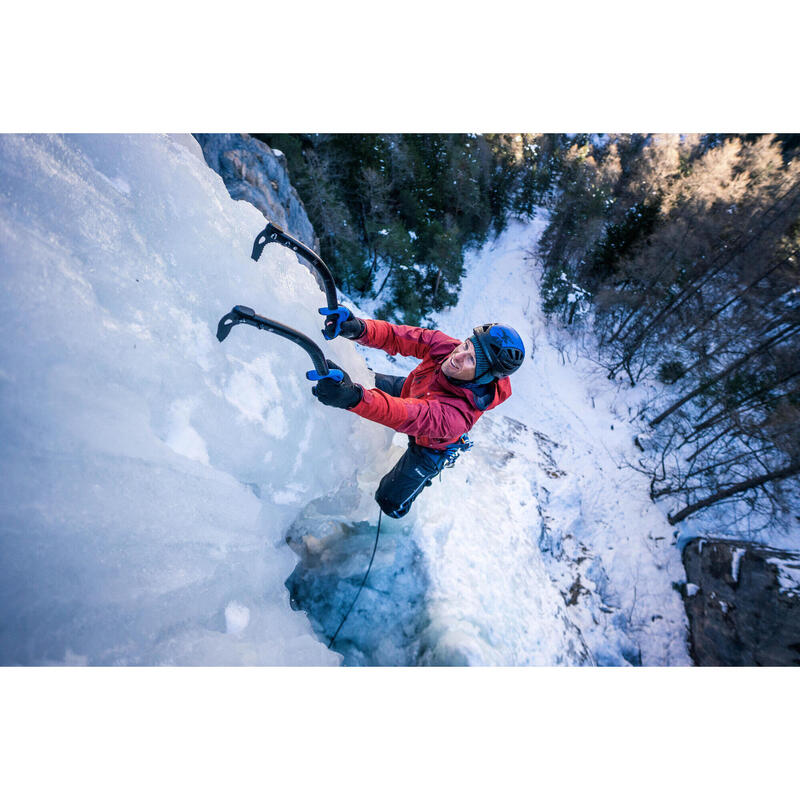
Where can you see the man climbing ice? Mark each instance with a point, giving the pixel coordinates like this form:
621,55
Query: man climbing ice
435,405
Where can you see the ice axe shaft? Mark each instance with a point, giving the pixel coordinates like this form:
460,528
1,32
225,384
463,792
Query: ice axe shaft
272,233
244,315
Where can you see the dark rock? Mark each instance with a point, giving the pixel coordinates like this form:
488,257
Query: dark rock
743,603
254,172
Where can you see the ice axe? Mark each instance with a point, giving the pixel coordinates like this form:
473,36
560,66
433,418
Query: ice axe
272,233
244,315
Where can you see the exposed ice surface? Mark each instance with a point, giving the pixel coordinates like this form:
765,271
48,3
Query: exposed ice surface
149,472
152,476
237,617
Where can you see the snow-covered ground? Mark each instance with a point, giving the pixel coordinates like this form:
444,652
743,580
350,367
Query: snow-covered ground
159,486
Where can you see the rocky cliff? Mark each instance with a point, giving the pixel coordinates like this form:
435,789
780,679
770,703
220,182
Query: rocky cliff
743,603
255,172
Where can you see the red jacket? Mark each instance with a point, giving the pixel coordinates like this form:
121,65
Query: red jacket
431,409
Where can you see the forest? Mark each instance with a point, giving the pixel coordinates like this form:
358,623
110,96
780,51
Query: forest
395,213
678,252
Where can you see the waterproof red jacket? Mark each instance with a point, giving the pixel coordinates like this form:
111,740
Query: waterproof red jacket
433,410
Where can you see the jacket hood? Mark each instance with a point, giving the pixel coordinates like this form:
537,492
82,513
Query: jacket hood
502,391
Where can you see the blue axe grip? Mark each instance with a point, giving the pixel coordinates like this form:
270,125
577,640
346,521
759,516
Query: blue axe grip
343,314
334,374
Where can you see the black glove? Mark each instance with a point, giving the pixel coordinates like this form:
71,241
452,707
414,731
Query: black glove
351,328
344,394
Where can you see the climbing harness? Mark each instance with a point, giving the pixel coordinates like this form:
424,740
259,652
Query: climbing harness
447,458
366,574
463,444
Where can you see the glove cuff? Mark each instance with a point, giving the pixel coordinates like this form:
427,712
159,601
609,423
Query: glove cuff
361,329
360,390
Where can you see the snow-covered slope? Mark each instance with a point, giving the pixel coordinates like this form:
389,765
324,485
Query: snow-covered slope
159,487
609,552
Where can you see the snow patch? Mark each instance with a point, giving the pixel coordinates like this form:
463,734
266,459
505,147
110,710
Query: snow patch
736,559
788,576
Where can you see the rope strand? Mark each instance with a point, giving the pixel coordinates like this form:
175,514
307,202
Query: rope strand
366,574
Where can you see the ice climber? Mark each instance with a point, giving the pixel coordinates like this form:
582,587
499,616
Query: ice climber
435,405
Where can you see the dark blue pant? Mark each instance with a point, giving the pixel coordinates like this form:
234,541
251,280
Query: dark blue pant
415,469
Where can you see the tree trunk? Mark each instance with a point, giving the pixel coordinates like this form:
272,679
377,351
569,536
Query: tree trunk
734,336
737,459
719,376
705,446
739,296
368,280
761,397
709,273
391,268
736,488
646,293
436,286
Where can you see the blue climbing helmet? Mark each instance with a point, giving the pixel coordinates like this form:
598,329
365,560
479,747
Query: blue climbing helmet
502,347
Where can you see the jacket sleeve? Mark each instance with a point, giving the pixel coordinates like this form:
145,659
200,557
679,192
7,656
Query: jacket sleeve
403,339
434,418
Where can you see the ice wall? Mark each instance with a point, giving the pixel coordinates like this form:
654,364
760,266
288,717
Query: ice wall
149,472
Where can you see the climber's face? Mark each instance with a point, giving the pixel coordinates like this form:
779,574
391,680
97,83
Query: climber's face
460,364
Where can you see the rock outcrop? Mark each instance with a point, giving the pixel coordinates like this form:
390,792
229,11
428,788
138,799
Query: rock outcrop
255,172
743,603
